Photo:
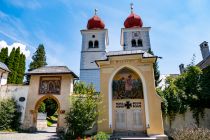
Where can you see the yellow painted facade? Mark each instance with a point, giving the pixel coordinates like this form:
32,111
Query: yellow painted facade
152,115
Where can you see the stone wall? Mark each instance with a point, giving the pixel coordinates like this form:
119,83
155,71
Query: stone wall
187,120
18,92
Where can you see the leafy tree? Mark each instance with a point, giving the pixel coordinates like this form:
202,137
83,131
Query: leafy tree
42,108
83,112
205,86
9,114
51,106
38,60
172,104
190,83
4,55
156,70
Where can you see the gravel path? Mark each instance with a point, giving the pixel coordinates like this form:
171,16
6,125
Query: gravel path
48,134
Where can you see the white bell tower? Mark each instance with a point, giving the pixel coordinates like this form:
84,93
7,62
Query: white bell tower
94,42
134,36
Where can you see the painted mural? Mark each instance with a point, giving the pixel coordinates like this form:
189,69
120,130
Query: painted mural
127,85
50,85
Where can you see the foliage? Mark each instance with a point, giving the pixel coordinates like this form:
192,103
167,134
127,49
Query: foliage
101,136
42,108
51,106
38,60
156,69
193,133
10,64
9,114
83,112
4,55
188,90
21,69
190,83
16,63
172,100
205,86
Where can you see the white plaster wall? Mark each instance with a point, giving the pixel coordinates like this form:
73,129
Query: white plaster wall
91,76
88,59
3,80
15,91
187,120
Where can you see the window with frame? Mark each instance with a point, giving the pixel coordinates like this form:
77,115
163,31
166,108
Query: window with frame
140,43
133,43
96,44
90,44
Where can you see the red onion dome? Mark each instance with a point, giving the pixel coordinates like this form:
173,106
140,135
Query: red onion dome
133,20
95,23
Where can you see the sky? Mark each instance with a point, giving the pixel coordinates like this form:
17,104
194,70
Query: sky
178,27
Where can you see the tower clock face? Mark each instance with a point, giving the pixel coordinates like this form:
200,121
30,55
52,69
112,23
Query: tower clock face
135,34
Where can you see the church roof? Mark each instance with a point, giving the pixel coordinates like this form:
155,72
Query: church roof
131,52
119,53
4,67
46,70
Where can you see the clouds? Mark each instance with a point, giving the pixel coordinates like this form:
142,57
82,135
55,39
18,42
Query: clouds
23,48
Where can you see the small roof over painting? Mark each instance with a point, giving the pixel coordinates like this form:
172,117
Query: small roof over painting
52,70
4,67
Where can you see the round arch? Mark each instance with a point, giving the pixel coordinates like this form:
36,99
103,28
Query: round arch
40,101
144,92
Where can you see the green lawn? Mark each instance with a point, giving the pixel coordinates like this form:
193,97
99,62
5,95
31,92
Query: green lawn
52,119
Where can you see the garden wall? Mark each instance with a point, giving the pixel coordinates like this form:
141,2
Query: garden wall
19,92
187,120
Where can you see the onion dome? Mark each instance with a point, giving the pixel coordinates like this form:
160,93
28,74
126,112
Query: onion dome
133,20
95,22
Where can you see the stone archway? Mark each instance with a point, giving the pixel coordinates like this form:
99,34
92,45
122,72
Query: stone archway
128,101
37,107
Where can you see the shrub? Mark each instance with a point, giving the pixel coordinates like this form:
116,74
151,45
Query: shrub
9,115
101,136
83,112
193,133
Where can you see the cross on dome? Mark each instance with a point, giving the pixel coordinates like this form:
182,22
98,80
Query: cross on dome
96,10
133,20
95,22
131,7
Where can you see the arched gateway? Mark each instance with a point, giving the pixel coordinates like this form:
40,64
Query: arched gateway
128,101
50,82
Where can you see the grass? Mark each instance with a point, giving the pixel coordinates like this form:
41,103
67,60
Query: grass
52,119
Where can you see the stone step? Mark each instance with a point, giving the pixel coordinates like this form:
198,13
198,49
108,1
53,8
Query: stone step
127,135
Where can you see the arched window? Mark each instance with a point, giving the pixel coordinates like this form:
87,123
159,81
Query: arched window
140,44
96,44
90,45
133,42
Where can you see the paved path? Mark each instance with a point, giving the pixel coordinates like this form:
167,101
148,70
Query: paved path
48,134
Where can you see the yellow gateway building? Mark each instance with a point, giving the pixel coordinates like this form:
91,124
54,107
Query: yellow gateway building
125,79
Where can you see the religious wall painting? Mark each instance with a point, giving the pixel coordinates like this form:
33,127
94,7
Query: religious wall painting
50,85
127,85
